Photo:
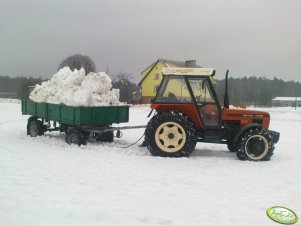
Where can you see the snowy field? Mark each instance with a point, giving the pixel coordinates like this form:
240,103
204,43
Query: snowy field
44,181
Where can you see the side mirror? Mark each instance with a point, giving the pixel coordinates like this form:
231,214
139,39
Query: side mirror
203,85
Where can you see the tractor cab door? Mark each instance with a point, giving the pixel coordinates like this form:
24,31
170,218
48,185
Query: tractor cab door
206,101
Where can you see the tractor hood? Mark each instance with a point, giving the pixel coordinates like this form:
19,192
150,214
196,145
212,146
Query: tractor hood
245,113
246,117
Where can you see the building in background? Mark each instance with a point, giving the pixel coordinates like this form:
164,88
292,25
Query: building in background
286,102
152,76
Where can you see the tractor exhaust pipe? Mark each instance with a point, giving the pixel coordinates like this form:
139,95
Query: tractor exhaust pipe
226,98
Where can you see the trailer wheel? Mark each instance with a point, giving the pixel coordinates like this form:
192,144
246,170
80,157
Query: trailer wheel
105,137
255,145
170,134
74,136
35,127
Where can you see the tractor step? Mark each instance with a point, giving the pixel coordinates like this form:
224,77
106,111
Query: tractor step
211,139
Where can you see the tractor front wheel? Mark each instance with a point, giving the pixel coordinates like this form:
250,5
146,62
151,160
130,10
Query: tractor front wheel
255,145
170,134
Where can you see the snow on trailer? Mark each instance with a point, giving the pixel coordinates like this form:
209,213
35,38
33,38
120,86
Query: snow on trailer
75,88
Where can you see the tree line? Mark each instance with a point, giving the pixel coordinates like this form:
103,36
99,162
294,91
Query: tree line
18,85
258,91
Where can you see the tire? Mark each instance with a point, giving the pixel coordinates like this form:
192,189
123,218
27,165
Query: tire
35,127
105,137
170,134
74,136
255,145
231,131
232,147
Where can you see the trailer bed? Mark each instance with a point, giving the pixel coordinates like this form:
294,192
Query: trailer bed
77,116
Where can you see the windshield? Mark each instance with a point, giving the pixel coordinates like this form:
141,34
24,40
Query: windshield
173,90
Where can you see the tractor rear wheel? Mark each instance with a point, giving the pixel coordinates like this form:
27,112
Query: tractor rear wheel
255,145
170,134
231,146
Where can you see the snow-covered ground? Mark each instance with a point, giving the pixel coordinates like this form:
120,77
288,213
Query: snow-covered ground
44,181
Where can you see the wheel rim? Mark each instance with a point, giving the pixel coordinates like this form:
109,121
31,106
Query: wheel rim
33,129
257,147
170,137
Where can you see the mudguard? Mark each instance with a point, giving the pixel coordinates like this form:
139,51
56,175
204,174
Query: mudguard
244,129
274,135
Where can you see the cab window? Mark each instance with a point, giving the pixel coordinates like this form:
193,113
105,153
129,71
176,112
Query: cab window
173,90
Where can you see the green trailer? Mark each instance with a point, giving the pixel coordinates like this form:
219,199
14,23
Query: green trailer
79,123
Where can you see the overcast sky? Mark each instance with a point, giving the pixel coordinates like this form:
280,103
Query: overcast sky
250,37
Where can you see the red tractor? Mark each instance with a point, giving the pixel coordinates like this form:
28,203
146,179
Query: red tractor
188,111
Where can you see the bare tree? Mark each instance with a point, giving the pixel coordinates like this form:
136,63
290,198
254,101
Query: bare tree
78,61
122,82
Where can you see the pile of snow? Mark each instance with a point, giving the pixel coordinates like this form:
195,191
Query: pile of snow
74,88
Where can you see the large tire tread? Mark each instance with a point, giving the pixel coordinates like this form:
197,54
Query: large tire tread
241,152
171,116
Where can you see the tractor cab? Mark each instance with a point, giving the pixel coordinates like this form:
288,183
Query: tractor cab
191,91
188,111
